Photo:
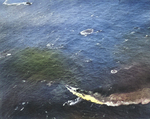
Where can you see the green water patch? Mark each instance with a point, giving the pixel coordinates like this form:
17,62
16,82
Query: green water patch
39,64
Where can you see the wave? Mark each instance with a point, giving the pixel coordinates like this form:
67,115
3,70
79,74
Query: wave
20,3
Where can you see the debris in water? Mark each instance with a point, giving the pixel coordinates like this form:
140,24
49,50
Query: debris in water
48,45
23,81
43,81
72,102
46,112
90,60
132,32
147,36
97,43
15,86
50,83
22,109
23,103
8,54
126,40
99,31
114,71
16,108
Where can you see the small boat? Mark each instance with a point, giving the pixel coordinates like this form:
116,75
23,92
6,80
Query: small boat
86,32
18,3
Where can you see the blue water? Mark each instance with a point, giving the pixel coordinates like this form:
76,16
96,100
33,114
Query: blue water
56,24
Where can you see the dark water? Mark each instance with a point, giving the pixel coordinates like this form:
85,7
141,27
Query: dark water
122,44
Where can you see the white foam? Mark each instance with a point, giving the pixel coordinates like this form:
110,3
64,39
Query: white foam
73,102
118,103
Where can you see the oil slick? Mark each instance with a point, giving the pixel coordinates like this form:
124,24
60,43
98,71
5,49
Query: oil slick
140,96
19,3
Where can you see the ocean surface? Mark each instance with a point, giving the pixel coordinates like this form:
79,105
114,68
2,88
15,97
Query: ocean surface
115,54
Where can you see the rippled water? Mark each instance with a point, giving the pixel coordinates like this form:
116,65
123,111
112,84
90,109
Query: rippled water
120,41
